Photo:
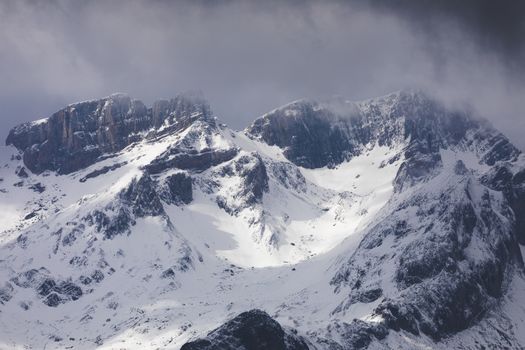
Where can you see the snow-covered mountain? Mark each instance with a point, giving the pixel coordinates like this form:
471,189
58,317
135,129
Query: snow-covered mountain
389,223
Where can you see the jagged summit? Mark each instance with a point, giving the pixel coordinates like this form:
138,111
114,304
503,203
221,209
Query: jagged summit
326,133
77,135
313,133
340,105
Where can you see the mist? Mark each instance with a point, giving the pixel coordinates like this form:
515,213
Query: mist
250,57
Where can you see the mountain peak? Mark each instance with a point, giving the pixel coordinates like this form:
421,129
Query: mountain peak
77,135
183,108
327,132
313,133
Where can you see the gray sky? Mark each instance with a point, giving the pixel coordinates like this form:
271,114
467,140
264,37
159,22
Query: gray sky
250,57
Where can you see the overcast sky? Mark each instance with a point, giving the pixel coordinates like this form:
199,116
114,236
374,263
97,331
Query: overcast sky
250,57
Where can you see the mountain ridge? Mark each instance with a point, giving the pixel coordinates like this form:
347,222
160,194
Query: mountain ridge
353,224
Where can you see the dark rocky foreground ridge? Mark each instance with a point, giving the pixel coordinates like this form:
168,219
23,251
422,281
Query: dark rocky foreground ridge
254,330
437,259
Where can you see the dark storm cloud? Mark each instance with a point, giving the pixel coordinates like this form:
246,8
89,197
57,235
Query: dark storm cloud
498,26
249,57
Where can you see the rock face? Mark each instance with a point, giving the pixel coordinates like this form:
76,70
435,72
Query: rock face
52,292
177,189
455,250
138,200
6,293
510,180
306,132
179,112
141,196
77,135
253,178
316,134
195,151
251,330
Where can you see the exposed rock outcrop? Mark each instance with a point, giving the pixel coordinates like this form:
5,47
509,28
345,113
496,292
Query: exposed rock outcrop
177,189
52,292
195,151
77,135
511,182
453,250
251,330
315,134
138,200
250,186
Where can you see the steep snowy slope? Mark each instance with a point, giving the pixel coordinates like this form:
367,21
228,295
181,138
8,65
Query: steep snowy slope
391,222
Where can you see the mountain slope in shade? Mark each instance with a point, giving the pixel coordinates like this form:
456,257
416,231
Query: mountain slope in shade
388,223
